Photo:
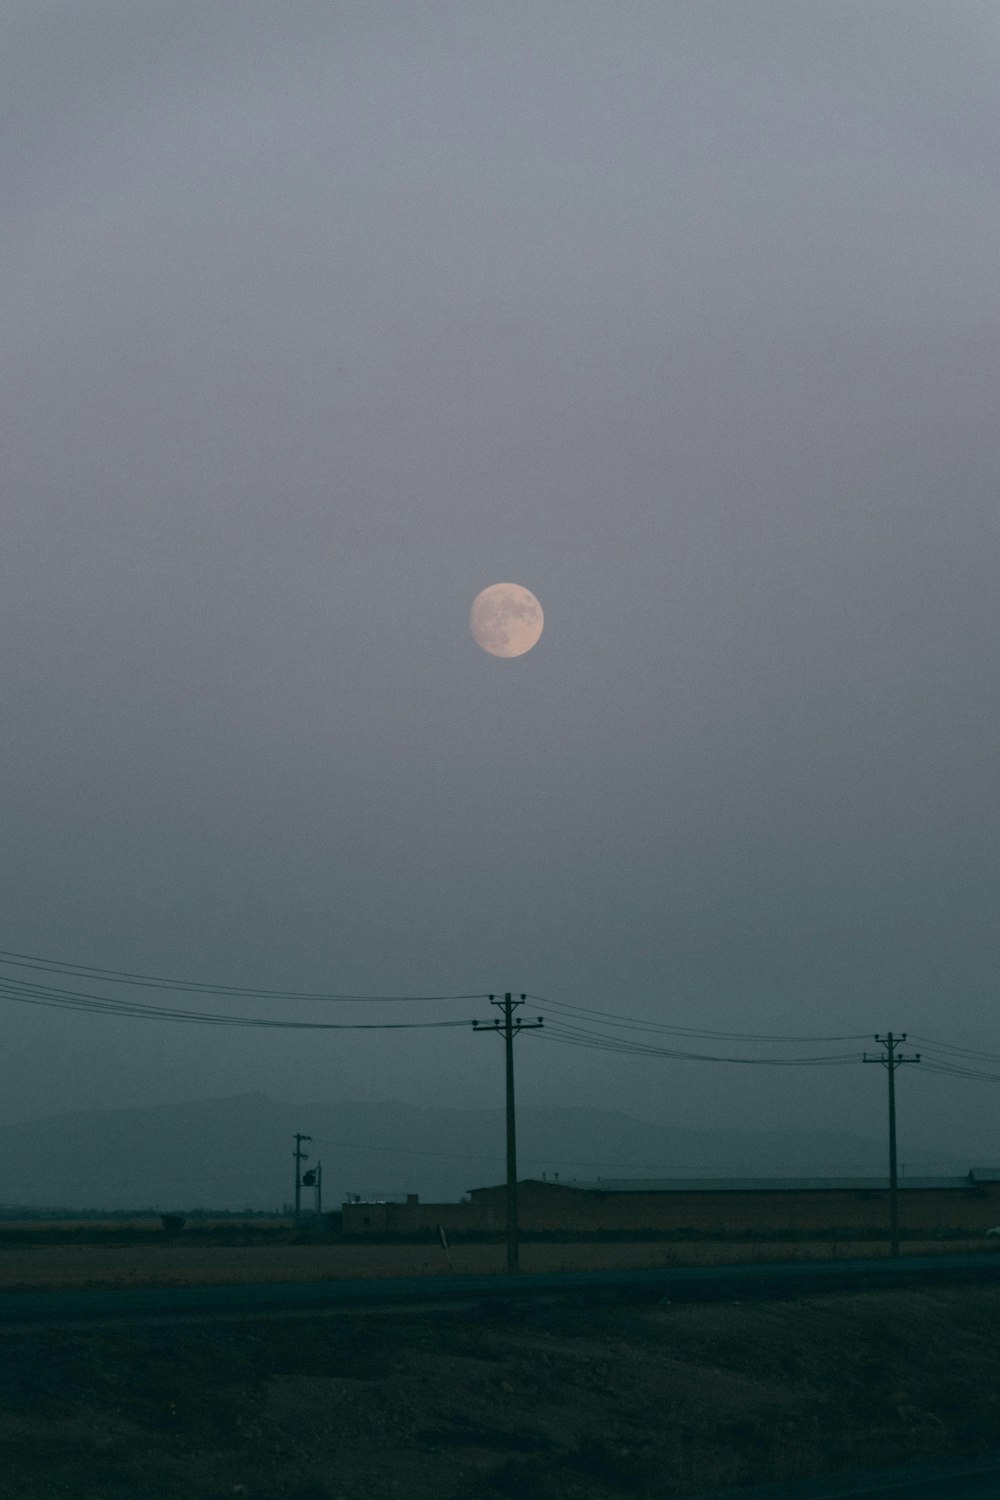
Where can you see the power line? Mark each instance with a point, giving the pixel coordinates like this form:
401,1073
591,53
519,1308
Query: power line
28,992
574,1025
947,1071
603,1042
637,1024
68,970
957,1051
102,1004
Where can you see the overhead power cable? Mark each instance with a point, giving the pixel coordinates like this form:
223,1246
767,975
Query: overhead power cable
943,1063
637,1024
103,1004
577,1037
950,1070
572,1025
196,986
947,1047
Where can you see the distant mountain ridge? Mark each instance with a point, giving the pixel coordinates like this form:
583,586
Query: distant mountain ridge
237,1152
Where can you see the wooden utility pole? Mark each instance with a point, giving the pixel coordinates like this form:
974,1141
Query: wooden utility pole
300,1157
508,1028
891,1060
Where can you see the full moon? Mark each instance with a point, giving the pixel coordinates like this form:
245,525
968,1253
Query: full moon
506,620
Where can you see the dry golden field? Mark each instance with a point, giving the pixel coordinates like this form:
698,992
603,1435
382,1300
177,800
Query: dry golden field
176,1264
263,1228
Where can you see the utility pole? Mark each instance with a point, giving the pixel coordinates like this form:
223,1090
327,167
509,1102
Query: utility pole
508,1028
319,1188
300,1157
891,1060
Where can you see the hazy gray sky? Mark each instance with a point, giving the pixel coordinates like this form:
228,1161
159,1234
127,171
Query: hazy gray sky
317,318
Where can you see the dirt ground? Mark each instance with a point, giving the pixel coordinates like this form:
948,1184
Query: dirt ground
504,1404
178,1264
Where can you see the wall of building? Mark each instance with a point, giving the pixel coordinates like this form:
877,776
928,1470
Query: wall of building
414,1217
544,1207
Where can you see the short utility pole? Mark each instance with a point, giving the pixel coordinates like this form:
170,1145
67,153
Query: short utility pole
508,1028
300,1157
891,1060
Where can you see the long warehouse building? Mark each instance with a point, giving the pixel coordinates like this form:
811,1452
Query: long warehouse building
710,1205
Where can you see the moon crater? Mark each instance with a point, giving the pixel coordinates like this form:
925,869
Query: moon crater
506,619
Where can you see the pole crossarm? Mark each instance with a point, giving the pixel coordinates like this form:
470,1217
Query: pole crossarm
499,1024
890,1058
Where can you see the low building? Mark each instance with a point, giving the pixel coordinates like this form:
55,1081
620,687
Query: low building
766,1205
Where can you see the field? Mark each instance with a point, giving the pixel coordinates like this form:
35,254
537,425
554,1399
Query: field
231,1228
519,1403
175,1263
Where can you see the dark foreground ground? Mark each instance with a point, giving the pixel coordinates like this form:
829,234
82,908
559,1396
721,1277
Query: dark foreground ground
579,1404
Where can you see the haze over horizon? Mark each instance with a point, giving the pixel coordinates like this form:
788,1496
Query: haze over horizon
237,1153
318,320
